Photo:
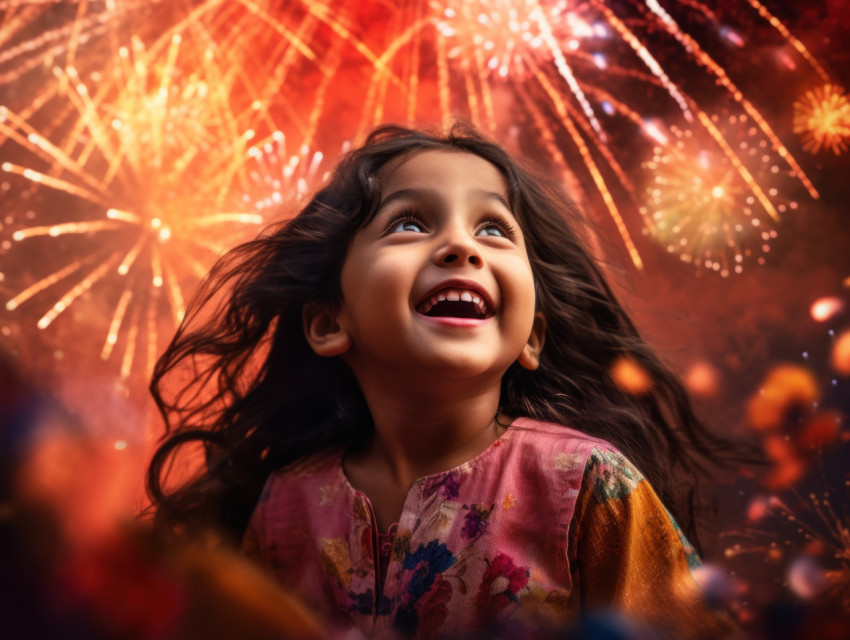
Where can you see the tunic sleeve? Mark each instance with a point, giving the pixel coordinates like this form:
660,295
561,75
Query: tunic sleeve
630,556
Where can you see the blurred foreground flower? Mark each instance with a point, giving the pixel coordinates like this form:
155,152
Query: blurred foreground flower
794,430
841,354
73,569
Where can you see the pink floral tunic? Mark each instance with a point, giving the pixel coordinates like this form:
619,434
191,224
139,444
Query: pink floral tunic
545,523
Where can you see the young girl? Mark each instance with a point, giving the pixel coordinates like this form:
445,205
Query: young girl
406,403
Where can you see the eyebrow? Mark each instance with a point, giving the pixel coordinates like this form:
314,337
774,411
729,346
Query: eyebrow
425,193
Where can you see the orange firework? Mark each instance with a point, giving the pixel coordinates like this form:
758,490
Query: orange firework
585,77
822,118
581,77
36,36
153,167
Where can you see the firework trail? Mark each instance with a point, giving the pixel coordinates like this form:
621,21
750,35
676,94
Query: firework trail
592,79
152,138
585,76
158,155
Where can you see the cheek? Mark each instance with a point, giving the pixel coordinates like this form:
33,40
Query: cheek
523,283
522,299
374,285
376,274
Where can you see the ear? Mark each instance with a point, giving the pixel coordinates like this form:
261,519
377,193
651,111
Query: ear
323,331
529,357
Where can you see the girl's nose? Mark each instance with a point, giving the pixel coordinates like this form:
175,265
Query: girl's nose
458,251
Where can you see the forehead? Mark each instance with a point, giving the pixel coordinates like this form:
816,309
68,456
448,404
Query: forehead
444,169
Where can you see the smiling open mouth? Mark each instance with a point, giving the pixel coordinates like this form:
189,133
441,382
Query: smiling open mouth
455,303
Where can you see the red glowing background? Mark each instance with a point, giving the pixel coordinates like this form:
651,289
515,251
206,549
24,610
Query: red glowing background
708,142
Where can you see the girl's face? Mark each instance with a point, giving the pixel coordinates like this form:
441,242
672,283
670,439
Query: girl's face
439,281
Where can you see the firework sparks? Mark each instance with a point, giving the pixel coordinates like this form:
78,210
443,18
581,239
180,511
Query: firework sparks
703,201
142,146
587,76
280,176
804,534
37,36
158,154
817,545
822,118
581,73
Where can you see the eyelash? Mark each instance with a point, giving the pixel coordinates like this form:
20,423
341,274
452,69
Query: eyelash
402,217
506,227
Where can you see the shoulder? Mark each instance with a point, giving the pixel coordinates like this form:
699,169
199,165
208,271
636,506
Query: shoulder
613,490
554,455
543,433
603,465
610,475
565,446
294,494
312,471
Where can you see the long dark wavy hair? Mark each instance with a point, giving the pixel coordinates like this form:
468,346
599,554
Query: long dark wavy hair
241,384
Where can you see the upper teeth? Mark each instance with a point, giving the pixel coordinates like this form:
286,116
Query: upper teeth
454,295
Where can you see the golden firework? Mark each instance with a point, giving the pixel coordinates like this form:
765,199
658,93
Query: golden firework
153,166
584,78
822,118
714,204
578,78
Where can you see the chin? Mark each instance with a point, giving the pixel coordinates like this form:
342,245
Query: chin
468,369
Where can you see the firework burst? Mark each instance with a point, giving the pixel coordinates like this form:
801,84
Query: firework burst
715,205
822,118
813,544
36,36
280,176
585,77
155,149
150,169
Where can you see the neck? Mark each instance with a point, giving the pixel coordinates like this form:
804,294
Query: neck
419,434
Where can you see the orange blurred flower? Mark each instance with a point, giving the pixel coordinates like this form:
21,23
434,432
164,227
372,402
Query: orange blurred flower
786,386
841,354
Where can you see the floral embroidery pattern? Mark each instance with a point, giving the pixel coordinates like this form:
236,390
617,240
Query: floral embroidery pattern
448,485
565,462
337,561
421,569
482,548
328,493
423,565
475,521
400,544
613,476
499,587
690,553
551,607
434,610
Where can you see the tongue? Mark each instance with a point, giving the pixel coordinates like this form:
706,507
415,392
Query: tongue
454,309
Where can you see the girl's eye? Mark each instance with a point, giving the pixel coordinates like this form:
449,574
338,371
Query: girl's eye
407,223
498,228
